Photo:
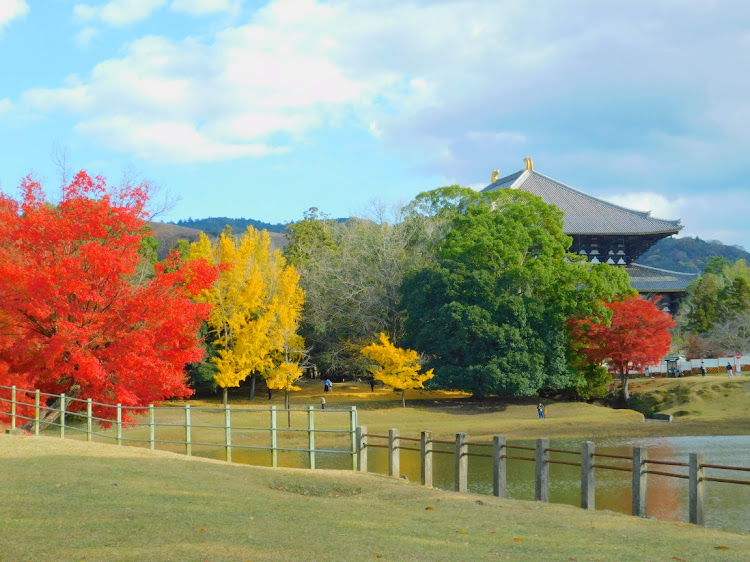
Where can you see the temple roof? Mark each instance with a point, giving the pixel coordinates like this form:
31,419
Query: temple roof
585,214
645,279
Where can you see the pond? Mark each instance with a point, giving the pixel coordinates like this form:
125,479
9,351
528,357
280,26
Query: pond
727,506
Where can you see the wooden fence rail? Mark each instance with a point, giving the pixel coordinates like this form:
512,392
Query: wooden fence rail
85,409
590,461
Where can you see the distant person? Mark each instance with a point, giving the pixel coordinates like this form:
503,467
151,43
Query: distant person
730,371
703,369
372,385
544,411
328,385
322,402
540,410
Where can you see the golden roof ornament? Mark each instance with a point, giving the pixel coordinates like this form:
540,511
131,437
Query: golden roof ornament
495,174
529,163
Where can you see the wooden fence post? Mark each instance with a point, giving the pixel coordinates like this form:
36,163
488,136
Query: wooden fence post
119,424
697,487
425,449
89,419
462,463
499,467
362,448
13,406
639,481
188,432
353,435
588,479
151,427
394,467
36,411
311,435
227,433
541,484
62,416
274,452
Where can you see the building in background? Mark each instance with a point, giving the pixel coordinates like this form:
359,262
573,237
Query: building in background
606,233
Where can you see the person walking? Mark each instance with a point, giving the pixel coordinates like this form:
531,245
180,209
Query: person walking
730,371
322,402
372,384
540,410
703,369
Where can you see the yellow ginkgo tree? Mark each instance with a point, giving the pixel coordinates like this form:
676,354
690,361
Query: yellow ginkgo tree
285,309
251,306
396,367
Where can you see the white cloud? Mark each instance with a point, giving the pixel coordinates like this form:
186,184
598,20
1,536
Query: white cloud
118,12
659,206
12,9
6,106
167,141
204,7
84,37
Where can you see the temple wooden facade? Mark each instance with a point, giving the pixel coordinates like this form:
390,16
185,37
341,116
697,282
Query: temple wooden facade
607,233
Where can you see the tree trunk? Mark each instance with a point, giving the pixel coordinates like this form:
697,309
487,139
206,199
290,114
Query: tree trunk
252,387
225,396
288,411
624,381
403,398
50,414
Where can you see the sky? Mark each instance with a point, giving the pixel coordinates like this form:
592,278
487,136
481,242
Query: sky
263,109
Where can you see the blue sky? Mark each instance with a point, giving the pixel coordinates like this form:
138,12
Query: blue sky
262,109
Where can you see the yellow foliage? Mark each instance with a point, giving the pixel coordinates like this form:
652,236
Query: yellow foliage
256,302
284,376
396,367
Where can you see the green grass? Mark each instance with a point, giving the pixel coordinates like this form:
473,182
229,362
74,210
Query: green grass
68,500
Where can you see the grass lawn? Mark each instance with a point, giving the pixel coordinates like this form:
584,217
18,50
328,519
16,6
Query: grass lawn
68,500
701,405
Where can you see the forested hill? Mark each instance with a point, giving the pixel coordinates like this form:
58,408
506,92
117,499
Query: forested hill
215,225
689,255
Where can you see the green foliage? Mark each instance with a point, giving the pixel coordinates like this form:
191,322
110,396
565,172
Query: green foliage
591,382
312,234
691,255
717,297
491,313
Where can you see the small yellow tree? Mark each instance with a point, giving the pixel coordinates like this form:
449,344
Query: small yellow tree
285,310
396,367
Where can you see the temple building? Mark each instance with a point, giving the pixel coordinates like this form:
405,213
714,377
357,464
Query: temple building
607,233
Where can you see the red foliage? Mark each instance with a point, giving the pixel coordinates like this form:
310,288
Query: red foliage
76,313
637,336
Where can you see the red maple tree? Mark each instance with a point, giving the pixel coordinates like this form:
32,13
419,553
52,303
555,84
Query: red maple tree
637,335
77,313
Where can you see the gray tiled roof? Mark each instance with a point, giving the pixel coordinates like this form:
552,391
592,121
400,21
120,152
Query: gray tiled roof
585,214
645,279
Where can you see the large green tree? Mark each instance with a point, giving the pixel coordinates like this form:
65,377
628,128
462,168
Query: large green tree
491,311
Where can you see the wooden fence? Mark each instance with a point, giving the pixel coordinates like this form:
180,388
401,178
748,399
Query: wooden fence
90,425
638,464
360,441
